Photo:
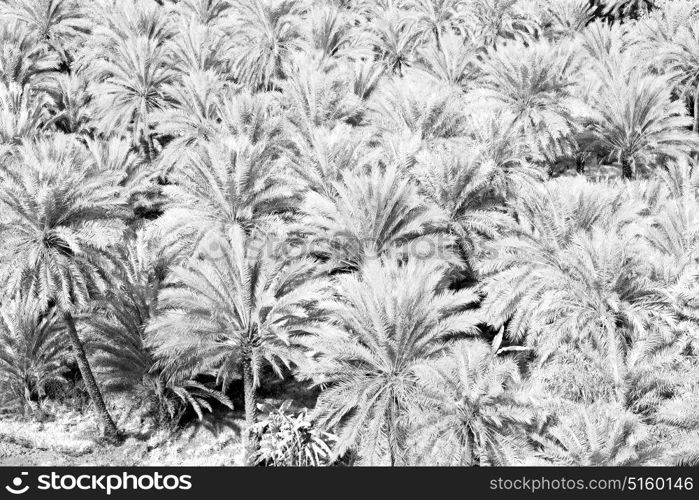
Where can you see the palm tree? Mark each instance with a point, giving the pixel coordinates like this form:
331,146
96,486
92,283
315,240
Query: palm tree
21,116
56,23
566,18
599,436
234,312
637,122
461,186
388,320
452,62
22,59
33,353
372,215
393,36
60,215
494,20
332,36
476,412
681,56
267,33
421,109
117,335
223,183
434,18
534,251
535,84
131,89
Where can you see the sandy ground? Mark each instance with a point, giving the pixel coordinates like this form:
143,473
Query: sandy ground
73,440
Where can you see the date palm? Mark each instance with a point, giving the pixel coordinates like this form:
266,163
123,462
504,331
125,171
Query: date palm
681,56
453,61
636,121
475,411
131,89
235,311
599,436
372,215
267,33
56,23
22,116
387,322
223,183
536,85
33,353
394,38
60,215
22,60
116,329
435,18
461,186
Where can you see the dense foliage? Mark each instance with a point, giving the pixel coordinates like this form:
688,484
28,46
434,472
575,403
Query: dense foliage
470,226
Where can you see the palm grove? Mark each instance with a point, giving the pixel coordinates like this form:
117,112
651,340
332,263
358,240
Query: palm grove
469,226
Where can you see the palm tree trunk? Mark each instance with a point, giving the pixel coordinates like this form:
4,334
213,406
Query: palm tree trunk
395,444
626,170
250,395
695,125
108,426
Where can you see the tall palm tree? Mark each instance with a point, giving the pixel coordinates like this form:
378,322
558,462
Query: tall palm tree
60,215
234,312
475,412
387,322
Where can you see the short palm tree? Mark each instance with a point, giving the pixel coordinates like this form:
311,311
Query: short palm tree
535,84
598,436
637,122
372,215
475,412
21,116
452,62
460,184
387,322
56,23
393,36
234,312
33,353
131,89
116,330
266,33
223,183
60,215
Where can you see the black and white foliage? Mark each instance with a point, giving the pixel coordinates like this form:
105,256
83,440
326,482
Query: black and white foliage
467,229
